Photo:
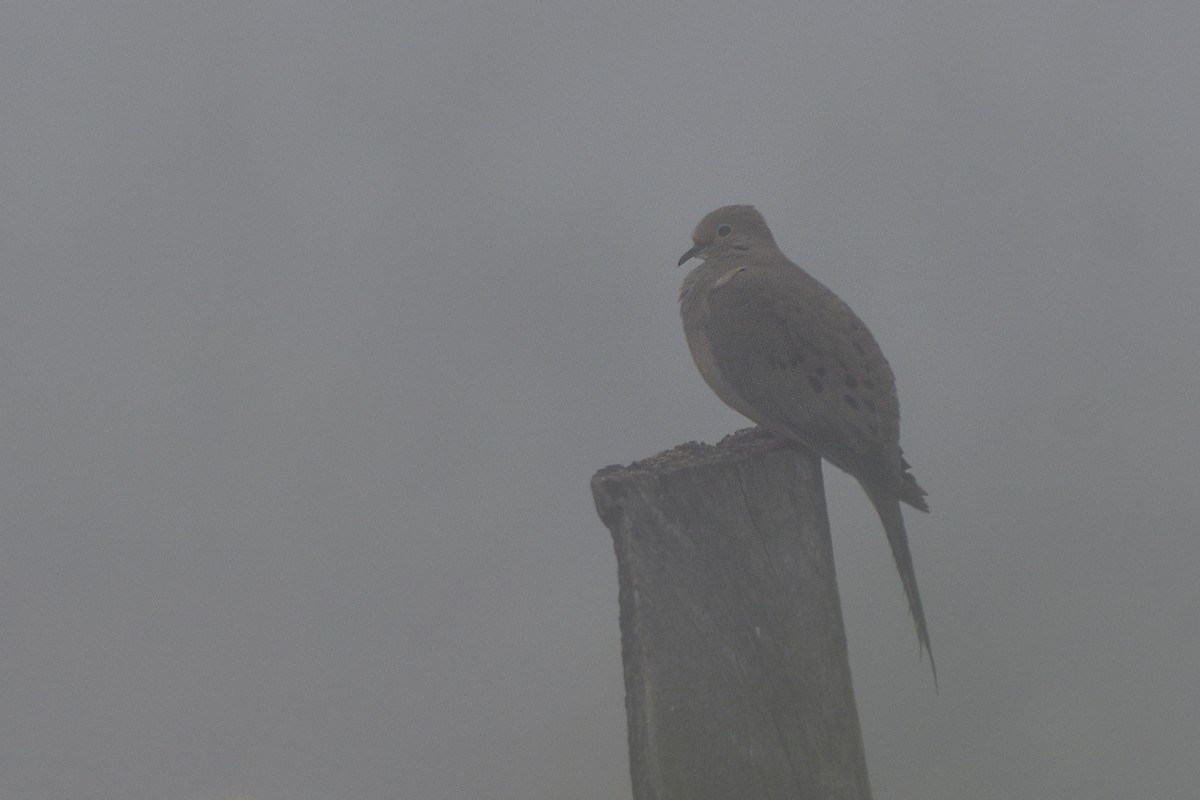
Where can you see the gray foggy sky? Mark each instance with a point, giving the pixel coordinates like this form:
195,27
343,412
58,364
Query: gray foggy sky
316,319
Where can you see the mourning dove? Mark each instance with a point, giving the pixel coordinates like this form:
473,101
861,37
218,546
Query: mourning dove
779,347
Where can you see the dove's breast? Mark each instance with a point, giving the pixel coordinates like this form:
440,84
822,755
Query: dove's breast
696,311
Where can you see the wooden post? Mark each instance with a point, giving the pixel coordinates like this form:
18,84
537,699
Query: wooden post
737,679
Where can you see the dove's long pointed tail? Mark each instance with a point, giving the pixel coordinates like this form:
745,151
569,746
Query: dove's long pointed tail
888,507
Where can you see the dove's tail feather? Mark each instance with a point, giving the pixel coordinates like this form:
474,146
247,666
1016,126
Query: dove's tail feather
910,491
888,507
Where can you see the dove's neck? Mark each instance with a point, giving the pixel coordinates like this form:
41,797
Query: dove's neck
701,279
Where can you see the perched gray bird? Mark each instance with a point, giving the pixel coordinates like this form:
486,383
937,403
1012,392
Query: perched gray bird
779,347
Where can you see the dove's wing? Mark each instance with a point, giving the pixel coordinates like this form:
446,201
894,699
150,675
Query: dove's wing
802,365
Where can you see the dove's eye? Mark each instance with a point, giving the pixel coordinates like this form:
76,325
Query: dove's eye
723,230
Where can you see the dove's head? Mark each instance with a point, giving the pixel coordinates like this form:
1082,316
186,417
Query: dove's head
731,230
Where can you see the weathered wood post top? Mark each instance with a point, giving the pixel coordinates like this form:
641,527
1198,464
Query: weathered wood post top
736,671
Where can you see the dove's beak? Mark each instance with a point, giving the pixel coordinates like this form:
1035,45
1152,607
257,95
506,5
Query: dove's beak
688,255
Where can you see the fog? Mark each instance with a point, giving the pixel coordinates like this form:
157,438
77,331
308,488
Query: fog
316,319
